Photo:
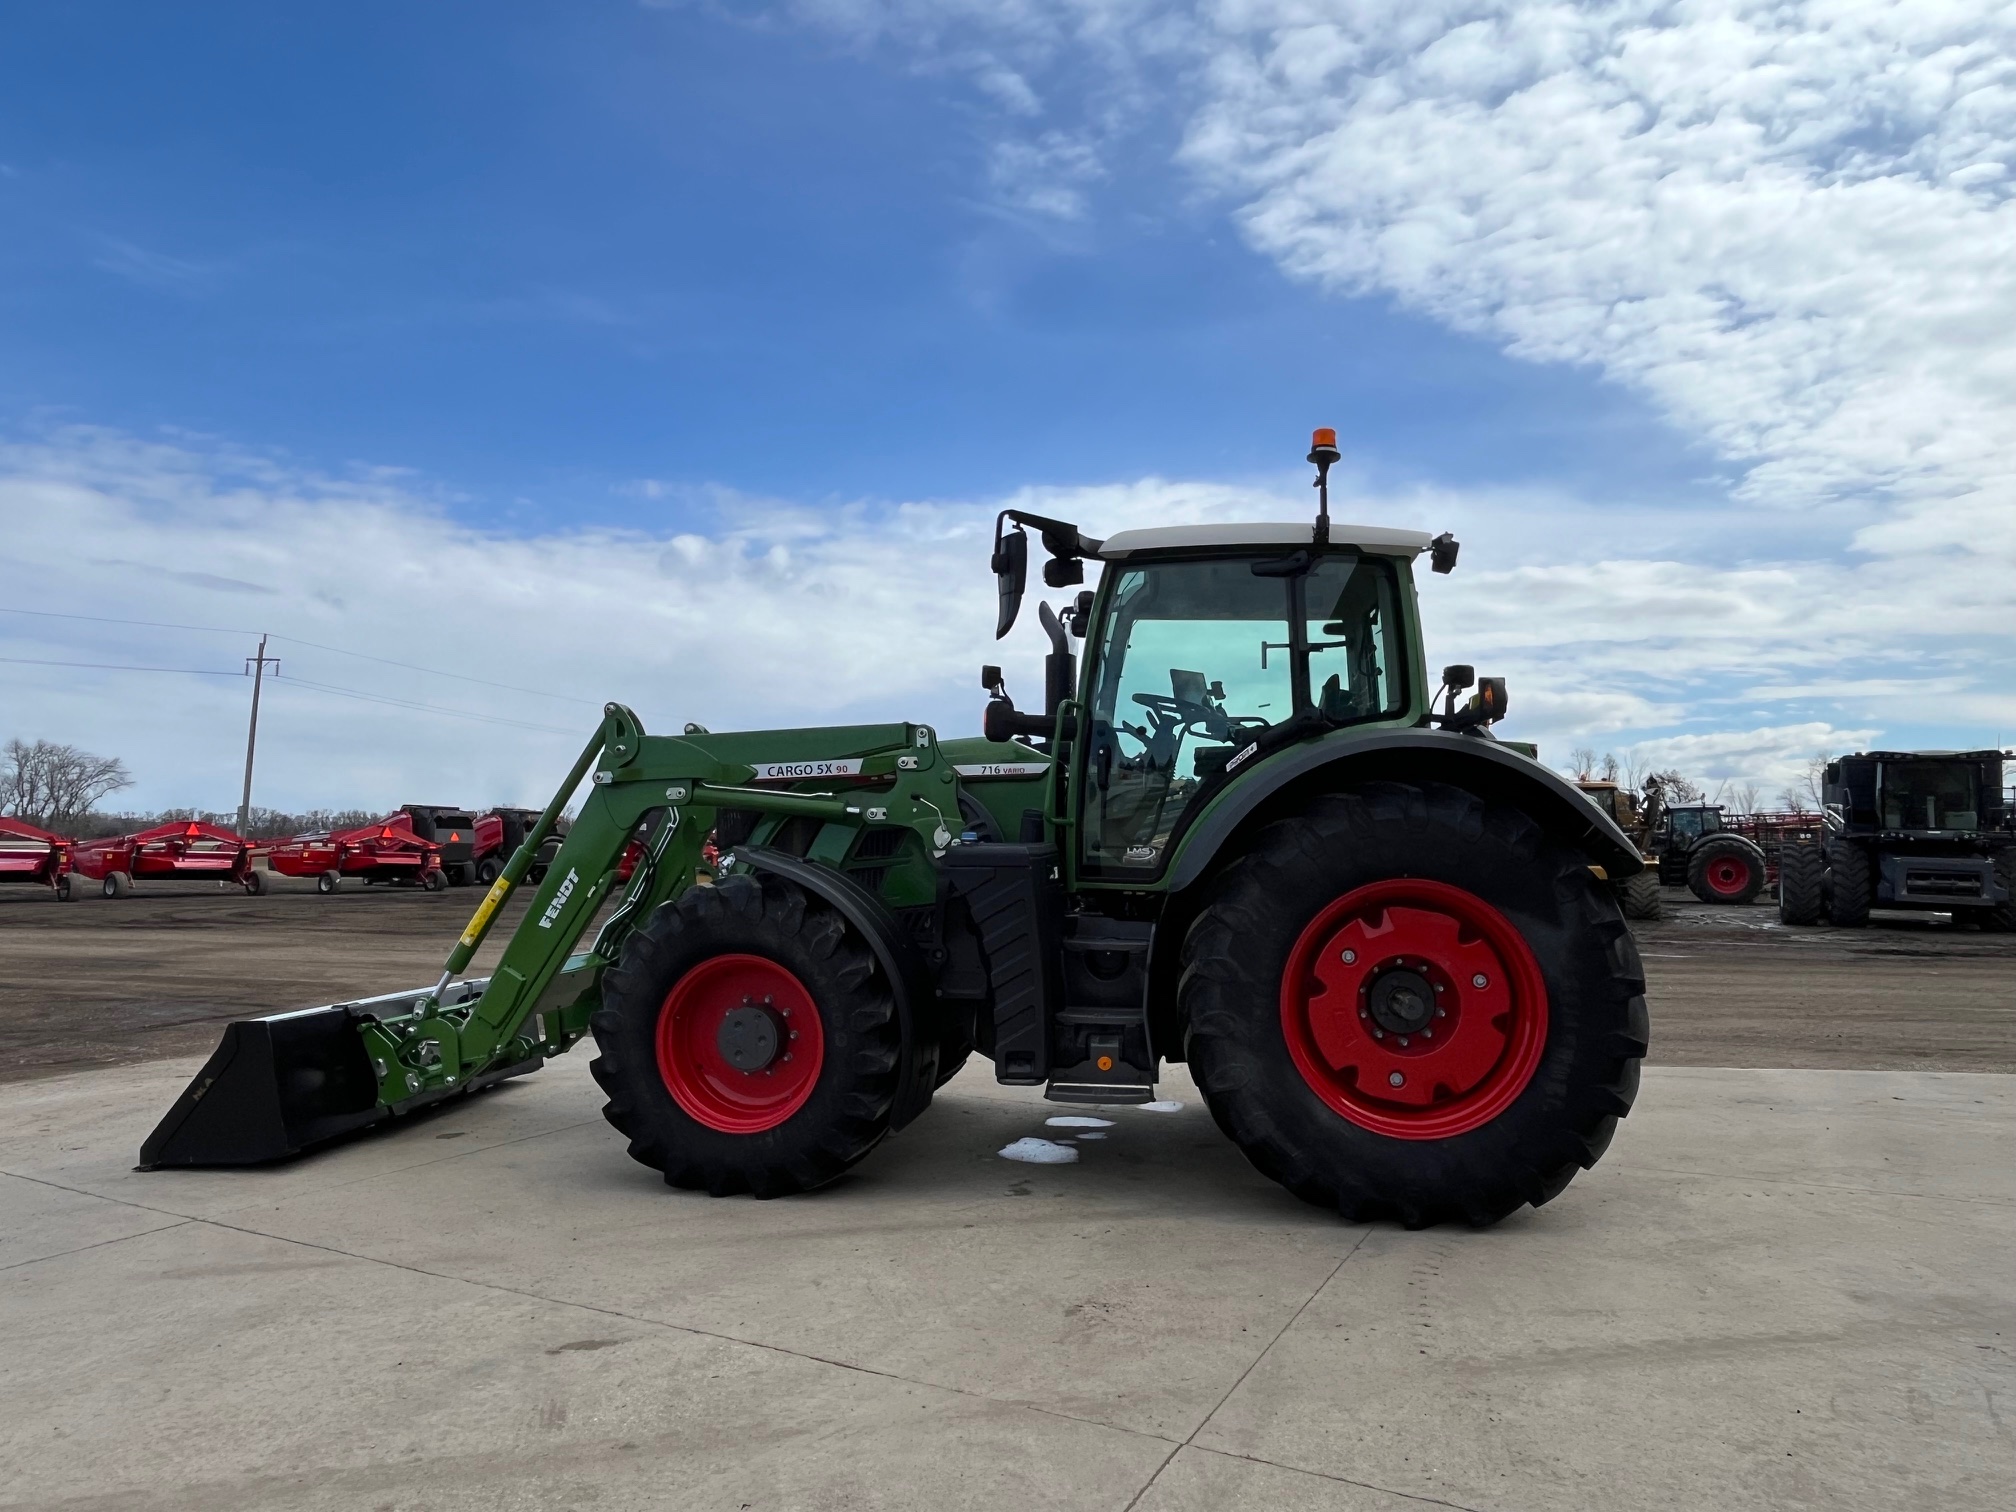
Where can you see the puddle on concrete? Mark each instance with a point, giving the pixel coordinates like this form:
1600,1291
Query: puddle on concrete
1078,1121
1165,1106
1038,1152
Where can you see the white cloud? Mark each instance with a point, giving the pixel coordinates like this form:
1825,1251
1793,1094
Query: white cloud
779,615
1790,224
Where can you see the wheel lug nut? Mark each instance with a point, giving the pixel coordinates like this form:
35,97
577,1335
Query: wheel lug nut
1480,980
1427,1034
1350,956
1441,1013
1438,986
794,1034
1403,1039
1377,1035
1396,1080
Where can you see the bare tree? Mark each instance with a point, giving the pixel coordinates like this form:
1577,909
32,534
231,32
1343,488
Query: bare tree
1582,762
54,785
1804,796
1745,798
1677,788
1611,769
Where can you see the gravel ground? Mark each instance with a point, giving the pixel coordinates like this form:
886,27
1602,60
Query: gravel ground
98,982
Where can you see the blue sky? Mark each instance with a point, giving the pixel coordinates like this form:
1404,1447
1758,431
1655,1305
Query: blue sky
542,250
770,289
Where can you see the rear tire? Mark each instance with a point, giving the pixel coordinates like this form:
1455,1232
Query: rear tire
488,871
1851,890
1640,896
435,881
1572,993
1800,870
254,884
117,884
1725,869
691,1115
328,882
64,891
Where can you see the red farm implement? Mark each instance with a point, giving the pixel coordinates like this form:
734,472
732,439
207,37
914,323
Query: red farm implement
500,832
387,851
182,851
1771,833
28,854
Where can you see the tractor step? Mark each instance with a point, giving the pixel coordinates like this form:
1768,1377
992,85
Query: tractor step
1100,1092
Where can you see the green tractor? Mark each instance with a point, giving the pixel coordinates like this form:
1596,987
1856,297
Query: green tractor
1240,836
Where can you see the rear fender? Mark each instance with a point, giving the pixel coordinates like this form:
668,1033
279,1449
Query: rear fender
1479,766
901,962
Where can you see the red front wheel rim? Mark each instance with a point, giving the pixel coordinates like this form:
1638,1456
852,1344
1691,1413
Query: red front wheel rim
1727,875
1414,1009
740,1044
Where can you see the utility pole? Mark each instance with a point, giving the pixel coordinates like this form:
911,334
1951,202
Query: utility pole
256,665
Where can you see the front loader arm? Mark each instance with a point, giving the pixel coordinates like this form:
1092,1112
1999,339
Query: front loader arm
279,1084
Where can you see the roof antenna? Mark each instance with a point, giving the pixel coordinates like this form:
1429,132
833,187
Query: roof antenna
1323,451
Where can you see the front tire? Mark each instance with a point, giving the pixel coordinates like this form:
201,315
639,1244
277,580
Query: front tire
1852,890
696,1024
1801,868
328,881
1381,900
488,870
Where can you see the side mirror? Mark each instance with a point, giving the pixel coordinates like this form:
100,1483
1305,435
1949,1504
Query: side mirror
1442,552
1458,676
991,680
1011,575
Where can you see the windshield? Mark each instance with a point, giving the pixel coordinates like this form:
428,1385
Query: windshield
1930,795
1197,656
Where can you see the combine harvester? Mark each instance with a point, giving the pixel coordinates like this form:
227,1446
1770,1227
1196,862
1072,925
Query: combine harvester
30,854
1243,837
387,852
185,850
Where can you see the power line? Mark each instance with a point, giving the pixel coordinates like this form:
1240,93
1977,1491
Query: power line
36,661
319,687
407,703
435,671
106,619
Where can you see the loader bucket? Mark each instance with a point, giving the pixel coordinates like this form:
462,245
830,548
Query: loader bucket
273,1087
279,1084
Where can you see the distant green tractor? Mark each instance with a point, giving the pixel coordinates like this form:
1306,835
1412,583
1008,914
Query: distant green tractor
1241,836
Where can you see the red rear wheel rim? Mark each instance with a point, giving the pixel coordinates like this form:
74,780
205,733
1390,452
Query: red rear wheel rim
1411,942
697,1070
1727,875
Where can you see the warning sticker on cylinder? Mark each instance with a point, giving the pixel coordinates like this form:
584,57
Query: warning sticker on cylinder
798,771
498,891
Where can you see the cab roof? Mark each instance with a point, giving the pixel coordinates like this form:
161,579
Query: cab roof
1377,540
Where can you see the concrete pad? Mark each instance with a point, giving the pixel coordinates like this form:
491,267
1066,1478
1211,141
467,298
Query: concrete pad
1780,1288
43,1222
1203,1480
207,1368
1665,1341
